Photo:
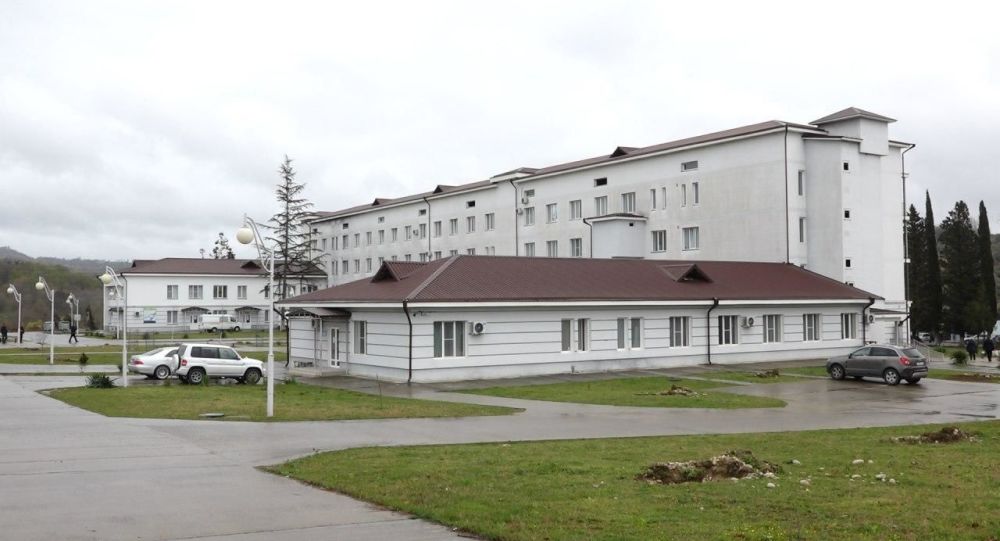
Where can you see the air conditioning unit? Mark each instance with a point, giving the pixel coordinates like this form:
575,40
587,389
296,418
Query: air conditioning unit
477,328
747,321
519,211
525,200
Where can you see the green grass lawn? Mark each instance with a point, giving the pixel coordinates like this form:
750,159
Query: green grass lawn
639,391
292,402
807,371
749,377
586,489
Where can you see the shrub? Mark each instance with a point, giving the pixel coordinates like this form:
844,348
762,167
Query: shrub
99,381
185,337
146,336
959,357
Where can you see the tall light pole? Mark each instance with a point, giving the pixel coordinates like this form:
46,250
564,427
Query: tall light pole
245,235
111,277
42,285
74,310
17,297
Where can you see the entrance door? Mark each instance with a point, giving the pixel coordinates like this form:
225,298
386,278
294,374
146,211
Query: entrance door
334,352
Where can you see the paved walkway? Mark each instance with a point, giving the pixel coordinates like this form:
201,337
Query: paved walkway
70,474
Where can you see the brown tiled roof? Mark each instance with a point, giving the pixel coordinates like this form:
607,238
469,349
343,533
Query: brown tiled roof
465,278
194,265
852,112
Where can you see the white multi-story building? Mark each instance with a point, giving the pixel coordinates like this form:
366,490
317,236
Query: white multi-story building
828,196
169,294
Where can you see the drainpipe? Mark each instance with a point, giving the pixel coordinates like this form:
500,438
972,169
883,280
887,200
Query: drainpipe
864,321
906,242
788,241
409,349
708,335
591,228
429,232
517,245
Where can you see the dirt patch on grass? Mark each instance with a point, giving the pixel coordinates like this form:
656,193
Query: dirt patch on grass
948,434
771,373
674,390
729,465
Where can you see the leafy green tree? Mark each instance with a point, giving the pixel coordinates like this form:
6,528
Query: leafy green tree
933,289
962,294
916,270
986,271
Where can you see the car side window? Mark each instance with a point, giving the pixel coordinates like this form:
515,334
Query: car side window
863,352
172,352
206,353
228,354
883,352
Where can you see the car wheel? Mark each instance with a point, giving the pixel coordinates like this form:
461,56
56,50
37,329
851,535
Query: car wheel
162,372
913,381
891,376
236,328
252,376
196,376
837,372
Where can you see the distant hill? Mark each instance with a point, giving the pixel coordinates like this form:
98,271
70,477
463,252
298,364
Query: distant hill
95,266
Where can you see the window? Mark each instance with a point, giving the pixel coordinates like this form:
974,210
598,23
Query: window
810,327
368,238
395,234
423,257
449,339
802,229
345,225
848,326
470,204
357,266
395,257
437,228
380,261
470,251
368,264
529,216
408,257
357,239
846,167
220,292
772,328
344,243
324,244
453,226
171,317
847,263
422,212
452,252
636,333
491,250
652,200
660,240
663,197
576,247
241,292
629,333
802,182
407,232
491,221
381,219
361,337
601,205
344,268
423,231
689,166
552,248
680,332
529,193
695,193
529,249
728,330
691,241
575,209
582,334
628,202
437,254
194,292
470,224
600,182
335,243
567,335
381,236
684,195
172,292
847,214
552,213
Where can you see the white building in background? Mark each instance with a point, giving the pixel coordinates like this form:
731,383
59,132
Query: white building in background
169,294
828,196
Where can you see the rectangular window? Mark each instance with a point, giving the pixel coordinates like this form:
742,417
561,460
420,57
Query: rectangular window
172,317
344,243
423,257
529,193
660,240
802,229
636,333
680,332
567,335
582,334
324,243
652,200
600,182
368,264
628,203
452,252
449,339
344,268
357,240
381,260
529,249
552,213
408,257
357,266
601,205
810,327
729,332
453,226
381,236
422,212
689,166
381,219
437,254
663,197
629,333
772,328
437,228
407,232
335,242
470,204
195,292
576,247
848,326
172,292
847,263
847,214
552,248
220,292
684,195
361,337
241,292
691,240
621,332
470,224
423,231
695,193
847,167
395,234
802,182
491,250
529,216
491,221
575,209
471,251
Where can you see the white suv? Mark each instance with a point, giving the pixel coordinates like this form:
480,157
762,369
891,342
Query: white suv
195,362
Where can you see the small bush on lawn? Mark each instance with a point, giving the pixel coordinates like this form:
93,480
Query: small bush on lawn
99,381
959,357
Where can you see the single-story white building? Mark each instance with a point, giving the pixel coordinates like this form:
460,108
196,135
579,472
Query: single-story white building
481,317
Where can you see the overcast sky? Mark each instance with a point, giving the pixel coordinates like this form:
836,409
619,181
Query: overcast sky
142,129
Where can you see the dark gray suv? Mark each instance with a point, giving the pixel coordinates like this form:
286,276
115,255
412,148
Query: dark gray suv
891,363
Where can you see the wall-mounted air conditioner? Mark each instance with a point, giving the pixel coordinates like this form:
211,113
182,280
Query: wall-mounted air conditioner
747,321
477,328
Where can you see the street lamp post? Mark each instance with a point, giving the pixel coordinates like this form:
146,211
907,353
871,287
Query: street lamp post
245,235
17,297
111,277
42,285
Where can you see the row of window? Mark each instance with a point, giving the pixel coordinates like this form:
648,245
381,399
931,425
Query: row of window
196,292
409,233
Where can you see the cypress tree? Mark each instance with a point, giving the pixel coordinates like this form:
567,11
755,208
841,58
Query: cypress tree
916,271
932,286
986,272
962,288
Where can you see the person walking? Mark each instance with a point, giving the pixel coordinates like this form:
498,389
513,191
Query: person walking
3,333
72,334
20,336
970,347
988,349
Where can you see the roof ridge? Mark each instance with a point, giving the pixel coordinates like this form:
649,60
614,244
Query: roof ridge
416,291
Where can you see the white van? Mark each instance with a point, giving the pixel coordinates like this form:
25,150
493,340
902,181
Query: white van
216,322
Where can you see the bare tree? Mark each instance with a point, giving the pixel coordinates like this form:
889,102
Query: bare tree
222,249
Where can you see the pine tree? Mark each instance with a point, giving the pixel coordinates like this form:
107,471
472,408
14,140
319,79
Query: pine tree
986,273
222,249
291,238
962,288
933,288
916,271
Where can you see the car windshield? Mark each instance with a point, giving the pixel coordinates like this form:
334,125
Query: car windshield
912,352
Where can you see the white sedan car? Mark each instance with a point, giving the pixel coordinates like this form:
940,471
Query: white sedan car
158,363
